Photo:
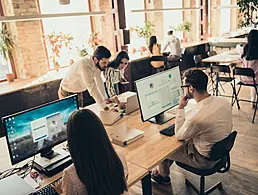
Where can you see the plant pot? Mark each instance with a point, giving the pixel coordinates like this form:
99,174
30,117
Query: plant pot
57,66
10,77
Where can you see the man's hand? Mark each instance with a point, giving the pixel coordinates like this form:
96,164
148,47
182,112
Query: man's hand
183,102
122,105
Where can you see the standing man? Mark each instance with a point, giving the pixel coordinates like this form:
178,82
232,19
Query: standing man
85,74
174,46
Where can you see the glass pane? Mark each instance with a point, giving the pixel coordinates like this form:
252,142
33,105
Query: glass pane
3,67
77,27
225,17
168,15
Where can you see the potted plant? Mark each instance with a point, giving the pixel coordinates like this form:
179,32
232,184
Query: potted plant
6,47
82,51
146,31
184,27
246,10
94,40
57,42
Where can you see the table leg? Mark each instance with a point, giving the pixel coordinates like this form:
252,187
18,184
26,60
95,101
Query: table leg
146,185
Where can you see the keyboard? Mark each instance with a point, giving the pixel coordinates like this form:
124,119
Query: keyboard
168,131
47,190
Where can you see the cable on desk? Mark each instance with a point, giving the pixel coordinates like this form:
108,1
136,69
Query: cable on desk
28,167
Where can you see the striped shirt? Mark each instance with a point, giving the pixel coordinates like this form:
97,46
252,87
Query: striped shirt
113,76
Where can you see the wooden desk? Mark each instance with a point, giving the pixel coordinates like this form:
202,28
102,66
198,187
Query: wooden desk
225,57
150,150
136,173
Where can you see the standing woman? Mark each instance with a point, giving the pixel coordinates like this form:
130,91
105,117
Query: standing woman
250,60
97,168
114,74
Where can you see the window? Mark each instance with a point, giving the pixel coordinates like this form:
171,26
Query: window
78,27
4,66
225,17
172,18
133,20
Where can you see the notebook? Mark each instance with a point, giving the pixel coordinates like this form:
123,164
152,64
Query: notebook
14,185
123,135
109,118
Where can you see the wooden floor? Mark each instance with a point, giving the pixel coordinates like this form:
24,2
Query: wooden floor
242,178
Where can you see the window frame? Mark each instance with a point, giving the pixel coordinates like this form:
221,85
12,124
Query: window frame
45,44
11,59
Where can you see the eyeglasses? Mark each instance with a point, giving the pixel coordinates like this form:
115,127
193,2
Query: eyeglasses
125,63
183,86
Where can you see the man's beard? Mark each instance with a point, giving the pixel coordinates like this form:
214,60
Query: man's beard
99,67
189,95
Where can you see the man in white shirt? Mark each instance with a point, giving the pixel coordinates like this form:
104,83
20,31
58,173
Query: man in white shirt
85,74
208,123
173,43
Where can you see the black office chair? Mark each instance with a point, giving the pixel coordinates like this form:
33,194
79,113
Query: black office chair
248,72
209,71
220,151
157,61
225,78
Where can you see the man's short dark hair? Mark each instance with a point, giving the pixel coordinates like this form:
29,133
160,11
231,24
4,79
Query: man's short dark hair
198,79
170,32
101,52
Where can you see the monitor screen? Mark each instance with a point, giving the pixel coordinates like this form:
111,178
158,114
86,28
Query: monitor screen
159,92
33,130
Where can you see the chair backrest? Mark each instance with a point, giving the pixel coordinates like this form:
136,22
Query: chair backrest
157,58
197,59
244,72
212,53
220,68
222,148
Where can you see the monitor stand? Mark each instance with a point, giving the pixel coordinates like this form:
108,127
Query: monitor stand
162,118
52,162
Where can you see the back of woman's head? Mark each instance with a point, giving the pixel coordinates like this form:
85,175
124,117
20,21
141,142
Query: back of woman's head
251,49
153,40
96,162
121,55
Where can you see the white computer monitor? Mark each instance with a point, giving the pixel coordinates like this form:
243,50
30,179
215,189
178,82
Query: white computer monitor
158,93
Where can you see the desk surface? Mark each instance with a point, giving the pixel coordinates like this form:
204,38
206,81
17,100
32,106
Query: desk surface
225,57
136,172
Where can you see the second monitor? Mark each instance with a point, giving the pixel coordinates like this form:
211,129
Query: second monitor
158,93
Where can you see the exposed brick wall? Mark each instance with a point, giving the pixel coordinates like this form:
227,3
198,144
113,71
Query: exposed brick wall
104,24
29,54
190,16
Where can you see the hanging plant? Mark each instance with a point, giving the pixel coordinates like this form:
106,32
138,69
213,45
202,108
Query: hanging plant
57,42
146,31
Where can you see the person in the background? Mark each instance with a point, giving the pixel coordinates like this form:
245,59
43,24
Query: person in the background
173,45
249,59
114,74
154,50
97,168
85,74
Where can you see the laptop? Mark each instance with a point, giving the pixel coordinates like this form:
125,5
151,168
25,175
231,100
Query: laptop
131,100
14,185
123,135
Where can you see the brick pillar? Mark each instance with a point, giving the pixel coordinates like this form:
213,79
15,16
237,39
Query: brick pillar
104,24
215,18
29,55
156,18
190,16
